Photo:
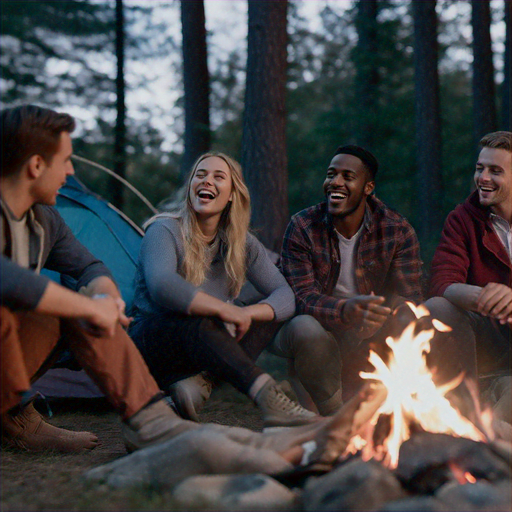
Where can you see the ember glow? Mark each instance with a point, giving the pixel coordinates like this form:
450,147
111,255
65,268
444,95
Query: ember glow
413,398
462,477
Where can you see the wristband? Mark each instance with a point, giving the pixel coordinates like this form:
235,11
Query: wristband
100,296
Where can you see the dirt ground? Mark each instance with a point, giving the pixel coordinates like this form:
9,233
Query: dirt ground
51,482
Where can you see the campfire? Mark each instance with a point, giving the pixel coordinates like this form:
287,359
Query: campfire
413,401
410,447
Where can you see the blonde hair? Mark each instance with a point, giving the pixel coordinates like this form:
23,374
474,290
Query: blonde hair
234,224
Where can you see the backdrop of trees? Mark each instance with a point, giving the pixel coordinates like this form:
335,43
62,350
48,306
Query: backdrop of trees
386,74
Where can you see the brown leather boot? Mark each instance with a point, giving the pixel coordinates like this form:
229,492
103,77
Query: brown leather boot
28,431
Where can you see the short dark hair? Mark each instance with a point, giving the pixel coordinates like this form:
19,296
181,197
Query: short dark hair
30,130
497,140
369,161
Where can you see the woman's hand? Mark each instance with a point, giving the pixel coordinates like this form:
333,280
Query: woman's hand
240,318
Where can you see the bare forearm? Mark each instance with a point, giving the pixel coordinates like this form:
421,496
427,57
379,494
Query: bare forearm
463,295
101,315
61,302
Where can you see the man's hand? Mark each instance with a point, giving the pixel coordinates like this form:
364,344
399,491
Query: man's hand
366,312
495,301
102,287
103,316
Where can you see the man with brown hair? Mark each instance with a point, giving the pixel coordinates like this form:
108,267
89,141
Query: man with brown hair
36,312
471,276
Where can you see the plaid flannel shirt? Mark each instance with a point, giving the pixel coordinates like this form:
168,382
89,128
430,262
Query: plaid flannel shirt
388,260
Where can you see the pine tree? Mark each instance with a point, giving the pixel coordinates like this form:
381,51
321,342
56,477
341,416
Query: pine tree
196,82
484,107
264,126
428,122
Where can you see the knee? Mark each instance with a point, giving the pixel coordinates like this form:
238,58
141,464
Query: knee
444,310
9,322
306,334
212,327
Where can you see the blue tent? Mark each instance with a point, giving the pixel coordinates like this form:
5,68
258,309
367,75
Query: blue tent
107,232
113,238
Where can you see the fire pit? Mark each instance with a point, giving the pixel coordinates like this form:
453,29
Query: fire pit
417,451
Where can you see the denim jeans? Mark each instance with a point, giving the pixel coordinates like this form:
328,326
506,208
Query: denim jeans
478,345
177,346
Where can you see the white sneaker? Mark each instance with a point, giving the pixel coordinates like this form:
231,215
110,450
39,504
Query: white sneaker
279,411
190,395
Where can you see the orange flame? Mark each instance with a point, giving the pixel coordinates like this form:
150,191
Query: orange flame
412,398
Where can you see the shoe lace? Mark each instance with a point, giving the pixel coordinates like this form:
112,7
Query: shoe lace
278,401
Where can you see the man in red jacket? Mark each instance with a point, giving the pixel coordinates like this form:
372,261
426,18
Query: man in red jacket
471,277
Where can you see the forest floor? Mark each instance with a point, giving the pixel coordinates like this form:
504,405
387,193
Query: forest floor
54,482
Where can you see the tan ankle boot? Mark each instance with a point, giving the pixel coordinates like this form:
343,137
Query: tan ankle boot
190,395
279,411
28,431
153,424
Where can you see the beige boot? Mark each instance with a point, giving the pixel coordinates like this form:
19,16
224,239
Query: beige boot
153,424
28,431
190,395
279,411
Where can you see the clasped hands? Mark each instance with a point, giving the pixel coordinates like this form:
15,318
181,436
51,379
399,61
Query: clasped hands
367,313
495,301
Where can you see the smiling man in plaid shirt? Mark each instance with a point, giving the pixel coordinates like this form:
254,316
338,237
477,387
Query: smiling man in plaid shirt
350,261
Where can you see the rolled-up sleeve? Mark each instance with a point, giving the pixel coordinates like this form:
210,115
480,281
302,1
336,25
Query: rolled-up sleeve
21,288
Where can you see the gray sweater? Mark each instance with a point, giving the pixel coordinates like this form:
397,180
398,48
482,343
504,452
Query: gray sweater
160,286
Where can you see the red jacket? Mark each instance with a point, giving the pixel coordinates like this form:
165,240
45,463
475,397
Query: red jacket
470,251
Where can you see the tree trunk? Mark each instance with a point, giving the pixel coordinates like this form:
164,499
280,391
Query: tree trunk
484,107
196,80
506,91
120,131
428,120
264,156
367,73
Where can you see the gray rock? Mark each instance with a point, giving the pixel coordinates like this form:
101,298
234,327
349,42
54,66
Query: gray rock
418,504
424,464
204,451
481,496
251,493
356,485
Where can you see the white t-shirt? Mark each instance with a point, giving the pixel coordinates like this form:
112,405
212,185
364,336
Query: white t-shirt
504,232
20,238
346,285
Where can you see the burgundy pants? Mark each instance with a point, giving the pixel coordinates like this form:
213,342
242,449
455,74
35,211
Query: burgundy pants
28,348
